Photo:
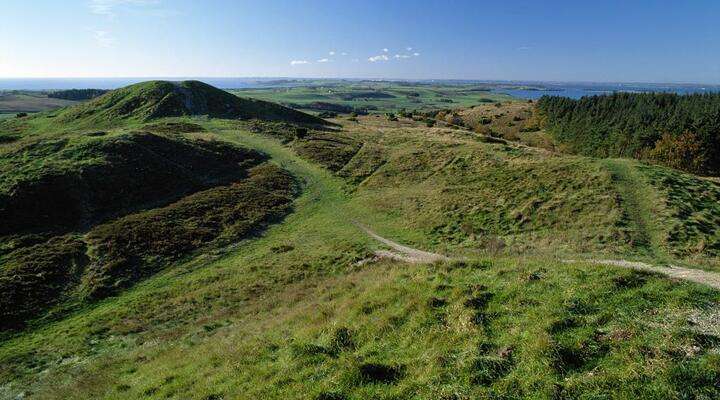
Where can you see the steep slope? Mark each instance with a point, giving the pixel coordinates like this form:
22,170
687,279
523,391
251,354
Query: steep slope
64,184
87,216
157,99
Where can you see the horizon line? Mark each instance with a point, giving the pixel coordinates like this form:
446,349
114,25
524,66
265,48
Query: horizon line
198,77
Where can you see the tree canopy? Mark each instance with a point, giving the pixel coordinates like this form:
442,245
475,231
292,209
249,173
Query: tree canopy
650,126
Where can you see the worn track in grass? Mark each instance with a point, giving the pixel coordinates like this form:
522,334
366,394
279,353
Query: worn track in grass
401,253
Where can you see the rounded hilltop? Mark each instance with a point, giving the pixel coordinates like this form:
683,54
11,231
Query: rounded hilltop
159,99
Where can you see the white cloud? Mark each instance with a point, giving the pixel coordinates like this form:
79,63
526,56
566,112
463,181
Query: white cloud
416,54
343,53
408,48
332,53
298,62
385,50
108,7
324,60
381,57
402,56
103,38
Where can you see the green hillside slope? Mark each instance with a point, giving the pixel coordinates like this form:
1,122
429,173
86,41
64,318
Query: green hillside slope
243,290
85,216
146,101
156,99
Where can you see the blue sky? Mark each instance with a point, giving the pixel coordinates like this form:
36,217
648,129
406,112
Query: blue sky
626,41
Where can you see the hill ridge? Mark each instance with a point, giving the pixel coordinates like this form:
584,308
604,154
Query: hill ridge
156,99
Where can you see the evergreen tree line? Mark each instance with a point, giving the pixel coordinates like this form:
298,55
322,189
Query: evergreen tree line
680,131
77,94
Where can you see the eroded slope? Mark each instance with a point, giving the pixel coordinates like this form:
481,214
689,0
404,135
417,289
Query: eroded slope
87,216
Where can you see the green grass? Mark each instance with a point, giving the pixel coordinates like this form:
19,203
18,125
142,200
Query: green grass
511,120
503,328
446,191
637,200
302,310
156,99
69,182
146,101
454,194
288,315
689,212
314,238
177,196
140,244
331,150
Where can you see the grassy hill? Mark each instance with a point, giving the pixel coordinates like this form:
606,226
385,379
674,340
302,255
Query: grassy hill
157,99
86,215
192,301
147,101
453,190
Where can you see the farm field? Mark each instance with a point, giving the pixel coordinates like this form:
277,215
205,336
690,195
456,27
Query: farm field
28,101
378,97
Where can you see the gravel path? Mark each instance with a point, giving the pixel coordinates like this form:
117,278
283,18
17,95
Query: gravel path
402,253
693,275
415,256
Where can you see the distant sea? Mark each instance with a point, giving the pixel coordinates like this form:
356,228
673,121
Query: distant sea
535,90
520,89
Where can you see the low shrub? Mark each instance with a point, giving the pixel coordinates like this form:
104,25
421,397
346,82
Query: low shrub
138,245
686,152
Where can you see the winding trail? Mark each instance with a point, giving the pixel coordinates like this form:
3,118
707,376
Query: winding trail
415,256
711,279
325,192
402,253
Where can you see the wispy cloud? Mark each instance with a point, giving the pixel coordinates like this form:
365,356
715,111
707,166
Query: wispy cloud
408,48
343,53
332,53
403,56
109,7
299,62
385,50
103,38
523,48
112,8
324,60
381,57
